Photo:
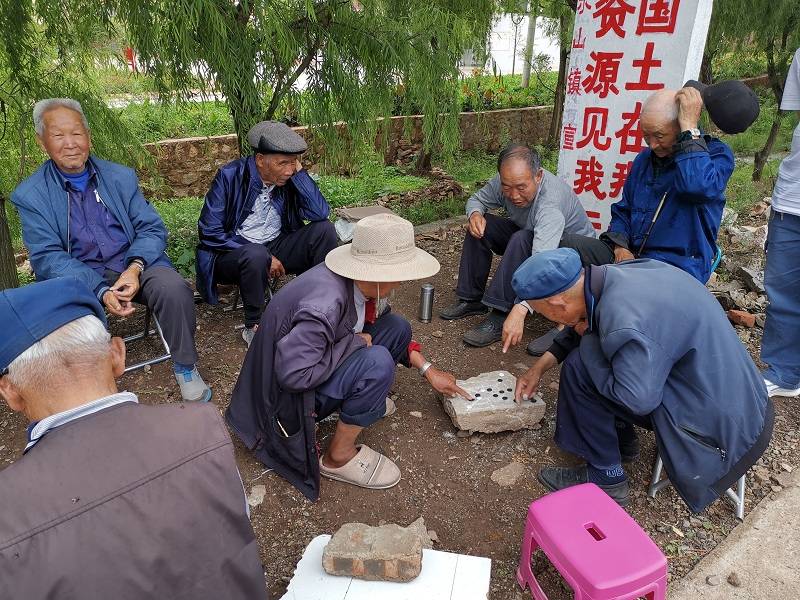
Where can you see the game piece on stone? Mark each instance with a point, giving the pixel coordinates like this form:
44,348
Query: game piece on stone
493,408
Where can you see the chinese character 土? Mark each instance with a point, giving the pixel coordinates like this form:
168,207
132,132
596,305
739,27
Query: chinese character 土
645,64
618,178
603,74
594,218
612,15
574,82
657,16
569,137
595,121
630,134
588,177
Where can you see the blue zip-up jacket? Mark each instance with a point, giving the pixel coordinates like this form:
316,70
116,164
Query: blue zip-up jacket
659,345
229,202
43,205
685,234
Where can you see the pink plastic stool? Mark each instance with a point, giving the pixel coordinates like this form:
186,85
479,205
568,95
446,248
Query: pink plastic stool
597,547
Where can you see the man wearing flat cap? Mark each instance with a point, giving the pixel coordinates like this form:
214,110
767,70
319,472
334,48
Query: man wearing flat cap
111,498
328,342
252,223
637,355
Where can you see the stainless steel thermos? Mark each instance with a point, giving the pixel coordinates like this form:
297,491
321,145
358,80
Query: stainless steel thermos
426,303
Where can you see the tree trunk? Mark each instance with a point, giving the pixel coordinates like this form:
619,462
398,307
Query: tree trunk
8,267
533,13
554,135
706,72
762,156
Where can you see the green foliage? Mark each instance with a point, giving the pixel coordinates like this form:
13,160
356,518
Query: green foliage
153,121
487,92
371,181
180,216
742,192
427,211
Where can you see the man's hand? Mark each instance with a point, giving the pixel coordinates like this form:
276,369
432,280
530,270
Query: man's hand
127,285
276,268
514,326
366,337
121,308
445,383
621,254
690,103
527,384
477,225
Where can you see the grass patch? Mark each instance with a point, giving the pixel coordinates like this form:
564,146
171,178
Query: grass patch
180,216
742,192
371,182
154,121
427,211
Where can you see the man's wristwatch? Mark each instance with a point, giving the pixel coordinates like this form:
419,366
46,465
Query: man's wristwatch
424,368
689,134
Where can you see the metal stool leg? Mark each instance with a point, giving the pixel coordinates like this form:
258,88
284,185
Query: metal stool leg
656,483
145,333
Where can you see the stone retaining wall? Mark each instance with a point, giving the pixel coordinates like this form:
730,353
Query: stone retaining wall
185,167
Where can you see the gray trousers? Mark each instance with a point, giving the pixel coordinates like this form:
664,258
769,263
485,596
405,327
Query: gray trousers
170,298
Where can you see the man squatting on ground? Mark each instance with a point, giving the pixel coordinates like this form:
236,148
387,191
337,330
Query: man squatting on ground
541,209
328,342
636,354
87,218
251,227
111,498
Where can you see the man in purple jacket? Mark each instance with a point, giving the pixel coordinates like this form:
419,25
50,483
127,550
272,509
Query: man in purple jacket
329,343
252,223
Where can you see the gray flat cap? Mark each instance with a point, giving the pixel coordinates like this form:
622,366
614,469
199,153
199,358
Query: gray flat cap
272,136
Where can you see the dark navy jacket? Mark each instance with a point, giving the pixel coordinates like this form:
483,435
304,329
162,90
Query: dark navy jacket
43,205
661,346
229,202
685,234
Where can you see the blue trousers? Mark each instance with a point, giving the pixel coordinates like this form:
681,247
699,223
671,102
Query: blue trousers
587,423
359,386
780,347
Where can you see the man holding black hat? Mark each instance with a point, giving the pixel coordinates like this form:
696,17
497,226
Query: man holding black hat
252,226
111,498
636,355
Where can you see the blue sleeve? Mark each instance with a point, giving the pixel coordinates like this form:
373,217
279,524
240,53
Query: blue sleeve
619,230
49,259
628,368
211,225
310,201
703,170
150,239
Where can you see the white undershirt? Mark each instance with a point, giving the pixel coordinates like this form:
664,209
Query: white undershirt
786,195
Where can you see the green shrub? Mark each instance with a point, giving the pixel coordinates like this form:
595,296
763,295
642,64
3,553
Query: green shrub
742,192
153,121
180,215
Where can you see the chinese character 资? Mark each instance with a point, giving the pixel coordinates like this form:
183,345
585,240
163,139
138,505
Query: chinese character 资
574,82
657,16
595,121
569,137
630,134
612,15
603,73
644,65
588,177
618,178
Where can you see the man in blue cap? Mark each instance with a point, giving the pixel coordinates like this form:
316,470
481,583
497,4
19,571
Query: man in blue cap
111,499
637,356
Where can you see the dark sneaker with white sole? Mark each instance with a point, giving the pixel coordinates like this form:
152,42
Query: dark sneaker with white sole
489,331
462,310
559,478
542,344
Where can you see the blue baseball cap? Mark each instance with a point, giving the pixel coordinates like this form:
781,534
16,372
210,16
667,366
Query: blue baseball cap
33,312
547,274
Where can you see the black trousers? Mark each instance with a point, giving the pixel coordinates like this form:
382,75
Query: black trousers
592,250
248,266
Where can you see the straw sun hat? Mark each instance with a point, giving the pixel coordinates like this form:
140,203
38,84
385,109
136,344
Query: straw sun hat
382,250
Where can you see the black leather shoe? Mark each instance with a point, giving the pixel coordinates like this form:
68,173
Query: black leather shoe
630,450
463,309
542,344
488,332
559,478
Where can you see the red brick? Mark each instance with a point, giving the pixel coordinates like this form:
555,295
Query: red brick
741,317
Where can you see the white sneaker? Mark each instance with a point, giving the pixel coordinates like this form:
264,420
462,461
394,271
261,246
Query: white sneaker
193,388
774,389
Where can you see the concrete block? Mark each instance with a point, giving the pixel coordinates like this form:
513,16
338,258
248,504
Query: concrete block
493,408
385,553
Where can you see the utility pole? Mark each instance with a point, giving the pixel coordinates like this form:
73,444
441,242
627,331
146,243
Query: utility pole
533,13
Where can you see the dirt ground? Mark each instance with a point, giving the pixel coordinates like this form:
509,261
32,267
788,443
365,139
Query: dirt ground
446,479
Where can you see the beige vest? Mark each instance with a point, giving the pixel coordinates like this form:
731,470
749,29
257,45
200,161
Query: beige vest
133,501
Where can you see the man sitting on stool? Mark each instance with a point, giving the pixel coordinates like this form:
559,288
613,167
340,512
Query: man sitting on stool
252,223
111,498
87,218
325,345
636,355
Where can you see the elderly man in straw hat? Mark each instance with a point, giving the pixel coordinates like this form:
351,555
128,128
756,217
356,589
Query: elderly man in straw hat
328,343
